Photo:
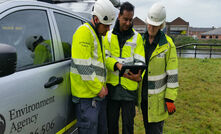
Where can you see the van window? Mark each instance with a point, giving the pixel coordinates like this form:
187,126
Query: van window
67,26
28,31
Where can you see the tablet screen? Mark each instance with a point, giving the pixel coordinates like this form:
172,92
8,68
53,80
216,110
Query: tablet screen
133,68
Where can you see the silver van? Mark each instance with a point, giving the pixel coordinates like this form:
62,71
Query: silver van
35,56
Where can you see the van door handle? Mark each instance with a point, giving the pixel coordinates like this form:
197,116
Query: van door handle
53,81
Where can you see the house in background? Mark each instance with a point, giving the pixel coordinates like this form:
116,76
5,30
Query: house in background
181,27
213,34
196,32
139,25
177,27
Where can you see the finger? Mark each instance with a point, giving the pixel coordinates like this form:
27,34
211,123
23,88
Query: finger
173,111
119,66
139,72
127,76
130,72
169,110
106,92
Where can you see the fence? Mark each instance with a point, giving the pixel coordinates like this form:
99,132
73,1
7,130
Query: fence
198,50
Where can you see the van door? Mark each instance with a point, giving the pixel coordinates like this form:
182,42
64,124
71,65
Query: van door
65,26
32,100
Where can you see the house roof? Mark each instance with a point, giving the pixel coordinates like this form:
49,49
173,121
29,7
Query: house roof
216,31
201,29
138,21
179,21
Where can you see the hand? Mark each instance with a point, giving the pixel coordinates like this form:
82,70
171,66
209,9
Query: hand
170,107
103,92
134,77
119,66
106,91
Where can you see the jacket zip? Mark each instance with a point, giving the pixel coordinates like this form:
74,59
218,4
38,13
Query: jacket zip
120,57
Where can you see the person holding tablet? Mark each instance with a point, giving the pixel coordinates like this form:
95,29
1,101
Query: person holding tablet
124,46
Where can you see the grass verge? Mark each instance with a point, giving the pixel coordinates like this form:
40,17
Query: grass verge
199,99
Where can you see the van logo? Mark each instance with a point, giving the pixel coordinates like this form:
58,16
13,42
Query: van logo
2,124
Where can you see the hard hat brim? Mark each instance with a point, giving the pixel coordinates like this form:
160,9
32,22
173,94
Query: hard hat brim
154,23
110,23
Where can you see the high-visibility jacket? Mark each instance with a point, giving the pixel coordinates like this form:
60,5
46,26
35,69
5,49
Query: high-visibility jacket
42,53
131,53
162,78
87,70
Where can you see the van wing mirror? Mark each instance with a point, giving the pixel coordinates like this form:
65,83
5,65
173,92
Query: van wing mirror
8,60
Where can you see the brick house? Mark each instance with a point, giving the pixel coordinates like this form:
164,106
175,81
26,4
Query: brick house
213,34
196,32
177,27
139,25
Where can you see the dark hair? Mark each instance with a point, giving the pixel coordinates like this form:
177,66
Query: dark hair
126,6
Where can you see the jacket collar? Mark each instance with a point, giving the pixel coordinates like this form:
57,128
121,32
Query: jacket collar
93,28
159,39
161,42
99,37
163,39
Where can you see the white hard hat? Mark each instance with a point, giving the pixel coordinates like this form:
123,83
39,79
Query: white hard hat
32,41
156,15
105,11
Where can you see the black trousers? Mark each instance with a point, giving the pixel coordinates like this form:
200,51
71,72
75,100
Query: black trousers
127,112
150,127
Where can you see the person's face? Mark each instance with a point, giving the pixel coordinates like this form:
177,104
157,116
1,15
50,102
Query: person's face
125,20
102,29
152,30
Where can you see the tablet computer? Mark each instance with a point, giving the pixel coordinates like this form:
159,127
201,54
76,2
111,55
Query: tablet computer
133,68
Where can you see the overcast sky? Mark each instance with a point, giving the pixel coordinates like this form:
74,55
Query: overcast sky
199,13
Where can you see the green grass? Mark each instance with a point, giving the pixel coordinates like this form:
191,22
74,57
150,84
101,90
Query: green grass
199,99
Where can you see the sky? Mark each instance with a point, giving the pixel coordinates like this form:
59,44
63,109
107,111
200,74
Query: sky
199,13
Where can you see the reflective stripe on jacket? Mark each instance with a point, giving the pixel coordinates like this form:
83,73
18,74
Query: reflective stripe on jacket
131,53
162,79
87,70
